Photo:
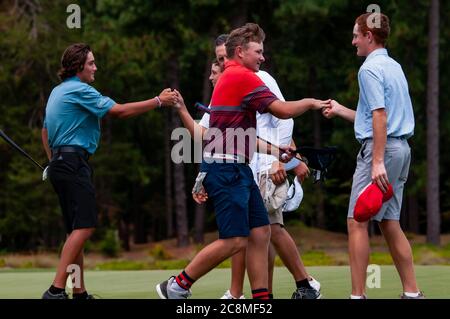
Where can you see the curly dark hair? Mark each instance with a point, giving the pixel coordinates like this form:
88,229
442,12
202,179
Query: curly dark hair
73,60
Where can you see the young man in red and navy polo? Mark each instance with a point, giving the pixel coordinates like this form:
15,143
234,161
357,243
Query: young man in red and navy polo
240,213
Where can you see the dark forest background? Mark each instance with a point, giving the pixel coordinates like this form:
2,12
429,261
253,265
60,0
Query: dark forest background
144,46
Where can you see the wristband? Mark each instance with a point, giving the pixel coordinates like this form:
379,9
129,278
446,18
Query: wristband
158,100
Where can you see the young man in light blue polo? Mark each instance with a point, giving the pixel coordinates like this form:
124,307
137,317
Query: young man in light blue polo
384,120
70,136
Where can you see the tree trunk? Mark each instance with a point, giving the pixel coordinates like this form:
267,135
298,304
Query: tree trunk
138,229
239,18
206,91
179,182
180,196
413,214
433,207
320,207
124,234
320,221
168,175
200,213
409,218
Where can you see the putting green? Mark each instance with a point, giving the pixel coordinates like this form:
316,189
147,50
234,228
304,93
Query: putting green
335,281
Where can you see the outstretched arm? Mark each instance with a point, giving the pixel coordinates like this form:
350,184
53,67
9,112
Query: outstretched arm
166,97
194,128
291,109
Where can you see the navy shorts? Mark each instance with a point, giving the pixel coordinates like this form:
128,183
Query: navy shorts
237,201
71,177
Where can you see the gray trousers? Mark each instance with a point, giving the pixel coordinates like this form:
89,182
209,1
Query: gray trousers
397,158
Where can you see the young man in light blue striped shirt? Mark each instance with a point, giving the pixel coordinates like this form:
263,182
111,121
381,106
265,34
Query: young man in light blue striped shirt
383,122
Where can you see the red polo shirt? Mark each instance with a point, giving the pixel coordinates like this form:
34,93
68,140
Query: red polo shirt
238,94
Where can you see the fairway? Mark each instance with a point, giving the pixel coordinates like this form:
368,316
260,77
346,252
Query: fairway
335,280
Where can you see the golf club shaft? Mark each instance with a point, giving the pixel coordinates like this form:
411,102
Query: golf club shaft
297,156
203,108
18,148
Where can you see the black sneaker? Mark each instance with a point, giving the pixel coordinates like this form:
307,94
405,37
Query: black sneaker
87,297
48,295
306,293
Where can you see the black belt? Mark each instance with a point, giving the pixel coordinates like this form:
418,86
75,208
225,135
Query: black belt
71,149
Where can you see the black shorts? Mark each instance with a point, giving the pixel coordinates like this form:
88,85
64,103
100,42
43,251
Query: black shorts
71,177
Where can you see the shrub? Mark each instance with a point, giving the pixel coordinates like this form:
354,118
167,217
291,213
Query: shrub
160,253
122,265
381,258
317,258
110,245
170,264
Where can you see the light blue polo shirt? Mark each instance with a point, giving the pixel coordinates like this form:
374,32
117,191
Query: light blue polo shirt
73,113
382,84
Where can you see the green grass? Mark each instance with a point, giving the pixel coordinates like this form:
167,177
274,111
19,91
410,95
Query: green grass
316,257
381,258
335,280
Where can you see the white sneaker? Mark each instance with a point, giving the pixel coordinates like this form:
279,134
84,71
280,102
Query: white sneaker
314,283
353,297
228,295
419,295
169,289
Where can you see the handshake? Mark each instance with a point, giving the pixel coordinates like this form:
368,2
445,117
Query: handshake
170,97
333,109
330,108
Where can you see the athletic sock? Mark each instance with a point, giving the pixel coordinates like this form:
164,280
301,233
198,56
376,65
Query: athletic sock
184,281
303,283
357,297
55,290
262,293
82,295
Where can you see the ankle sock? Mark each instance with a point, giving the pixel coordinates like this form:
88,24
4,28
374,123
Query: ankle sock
357,297
55,290
262,293
303,283
184,281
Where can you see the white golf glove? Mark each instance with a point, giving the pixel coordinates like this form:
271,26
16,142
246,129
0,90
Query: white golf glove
45,173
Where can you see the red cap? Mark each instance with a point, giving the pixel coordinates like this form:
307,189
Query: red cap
369,202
